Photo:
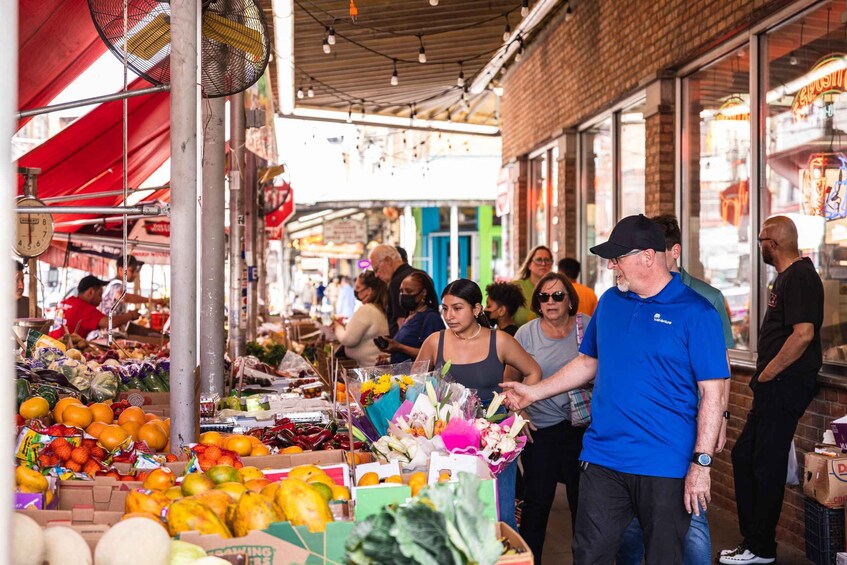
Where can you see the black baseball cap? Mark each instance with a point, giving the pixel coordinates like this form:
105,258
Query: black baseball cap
89,281
632,232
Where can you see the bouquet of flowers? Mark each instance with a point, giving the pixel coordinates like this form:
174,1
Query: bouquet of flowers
373,390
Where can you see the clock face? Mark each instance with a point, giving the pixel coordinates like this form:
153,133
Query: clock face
33,232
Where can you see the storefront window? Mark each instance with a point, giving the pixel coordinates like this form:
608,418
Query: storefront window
716,145
633,160
597,169
539,209
806,153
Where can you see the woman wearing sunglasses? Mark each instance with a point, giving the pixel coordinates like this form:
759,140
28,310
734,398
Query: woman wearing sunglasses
553,456
538,263
478,359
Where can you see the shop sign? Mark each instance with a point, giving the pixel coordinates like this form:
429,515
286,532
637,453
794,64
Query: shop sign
828,76
344,231
734,109
503,203
162,229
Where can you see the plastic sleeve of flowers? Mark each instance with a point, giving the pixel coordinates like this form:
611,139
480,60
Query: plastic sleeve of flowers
460,434
506,459
383,409
361,423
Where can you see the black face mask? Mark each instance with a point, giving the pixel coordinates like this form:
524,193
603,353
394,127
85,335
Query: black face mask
356,296
408,304
491,318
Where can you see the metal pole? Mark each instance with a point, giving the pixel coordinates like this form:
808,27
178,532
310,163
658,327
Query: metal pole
236,224
213,250
109,220
185,101
251,200
93,195
94,100
146,210
8,103
454,243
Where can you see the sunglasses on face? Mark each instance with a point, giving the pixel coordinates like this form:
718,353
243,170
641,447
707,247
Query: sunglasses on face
542,261
557,296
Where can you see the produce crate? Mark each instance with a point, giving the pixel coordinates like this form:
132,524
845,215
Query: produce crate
824,532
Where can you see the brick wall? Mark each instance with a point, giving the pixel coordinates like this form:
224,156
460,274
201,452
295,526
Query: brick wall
572,71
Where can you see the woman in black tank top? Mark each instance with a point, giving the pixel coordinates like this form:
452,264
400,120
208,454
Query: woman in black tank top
478,357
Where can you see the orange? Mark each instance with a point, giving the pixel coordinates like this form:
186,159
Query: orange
291,449
131,427
112,436
102,413
160,479
95,428
61,405
259,450
212,438
148,417
77,415
254,440
239,444
35,407
132,414
153,435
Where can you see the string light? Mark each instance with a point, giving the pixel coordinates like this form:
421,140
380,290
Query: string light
460,82
326,47
433,2
519,54
524,8
568,13
395,80
300,92
498,89
330,37
465,94
311,92
507,31
350,114
414,113
421,51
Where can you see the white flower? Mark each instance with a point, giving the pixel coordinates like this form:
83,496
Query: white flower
507,445
495,404
517,425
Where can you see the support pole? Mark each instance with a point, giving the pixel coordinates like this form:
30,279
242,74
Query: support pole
8,103
185,101
213,251
454,242
236,225
250,241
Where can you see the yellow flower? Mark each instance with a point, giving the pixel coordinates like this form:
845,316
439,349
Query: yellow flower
366,386
382,388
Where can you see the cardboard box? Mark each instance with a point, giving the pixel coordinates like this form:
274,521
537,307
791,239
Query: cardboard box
101,494
825,479
524,555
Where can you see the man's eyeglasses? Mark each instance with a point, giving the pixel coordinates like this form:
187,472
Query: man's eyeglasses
542,261
616,260
557,296
764,239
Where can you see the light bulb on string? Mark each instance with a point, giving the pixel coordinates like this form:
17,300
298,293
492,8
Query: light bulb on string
421,51
465,94
433,2
460,82
519,54
395,80
311,92
507,31
524,8
568,13
327,49
330,37
350,114
498,90
792,60
300,92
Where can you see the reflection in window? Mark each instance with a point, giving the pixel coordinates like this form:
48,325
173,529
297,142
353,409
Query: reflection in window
539,208
806,153
716,130
633,160
599,202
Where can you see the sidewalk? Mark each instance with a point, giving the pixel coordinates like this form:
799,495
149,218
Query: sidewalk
724,530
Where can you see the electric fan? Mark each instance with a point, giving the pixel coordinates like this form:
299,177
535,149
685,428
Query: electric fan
235,41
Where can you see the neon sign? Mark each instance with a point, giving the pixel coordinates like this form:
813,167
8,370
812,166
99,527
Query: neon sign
734,109
828,76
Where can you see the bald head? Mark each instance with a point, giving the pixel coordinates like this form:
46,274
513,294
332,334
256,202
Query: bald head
783,231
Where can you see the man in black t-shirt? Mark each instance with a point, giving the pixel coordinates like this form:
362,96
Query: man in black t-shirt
789,358
388,266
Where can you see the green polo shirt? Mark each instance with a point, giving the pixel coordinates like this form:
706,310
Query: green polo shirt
715,298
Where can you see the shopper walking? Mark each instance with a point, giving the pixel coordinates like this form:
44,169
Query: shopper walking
652,344
478,358
570,267
783,386
420,319
698,543
502,301
538,263
553,455
367,323
389,266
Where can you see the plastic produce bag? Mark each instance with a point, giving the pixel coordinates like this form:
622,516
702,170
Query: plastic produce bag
793,477
293,364
78,374
103,386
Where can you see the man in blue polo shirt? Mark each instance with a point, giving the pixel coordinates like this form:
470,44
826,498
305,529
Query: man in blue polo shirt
652,344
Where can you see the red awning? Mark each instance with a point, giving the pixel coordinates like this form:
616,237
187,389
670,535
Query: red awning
86,157
56,42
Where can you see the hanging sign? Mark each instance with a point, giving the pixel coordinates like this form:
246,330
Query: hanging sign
344,231
828,76
734,109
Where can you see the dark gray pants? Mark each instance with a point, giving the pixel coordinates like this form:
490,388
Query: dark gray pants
608,500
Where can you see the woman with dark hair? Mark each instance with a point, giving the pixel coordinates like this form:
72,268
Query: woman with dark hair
553,340
368,322
421,320
501,304
538,263
478,357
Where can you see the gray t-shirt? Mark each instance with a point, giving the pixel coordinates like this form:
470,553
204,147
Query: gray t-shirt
551,354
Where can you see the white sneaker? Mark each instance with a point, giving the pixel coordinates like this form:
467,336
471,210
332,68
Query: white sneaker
745,557
738,549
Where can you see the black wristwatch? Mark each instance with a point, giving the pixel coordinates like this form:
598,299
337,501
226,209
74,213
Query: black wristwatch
702,459
726,414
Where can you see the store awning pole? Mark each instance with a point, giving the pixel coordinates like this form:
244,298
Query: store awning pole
93,195
94,100
8,101
185,104
106,220
213,250
146,210
236,225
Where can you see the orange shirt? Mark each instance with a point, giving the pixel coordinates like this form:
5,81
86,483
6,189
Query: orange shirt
587,299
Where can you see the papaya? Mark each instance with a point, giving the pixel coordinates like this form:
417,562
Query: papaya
30,480
253,512
303,505
215,500
186,515
140,500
